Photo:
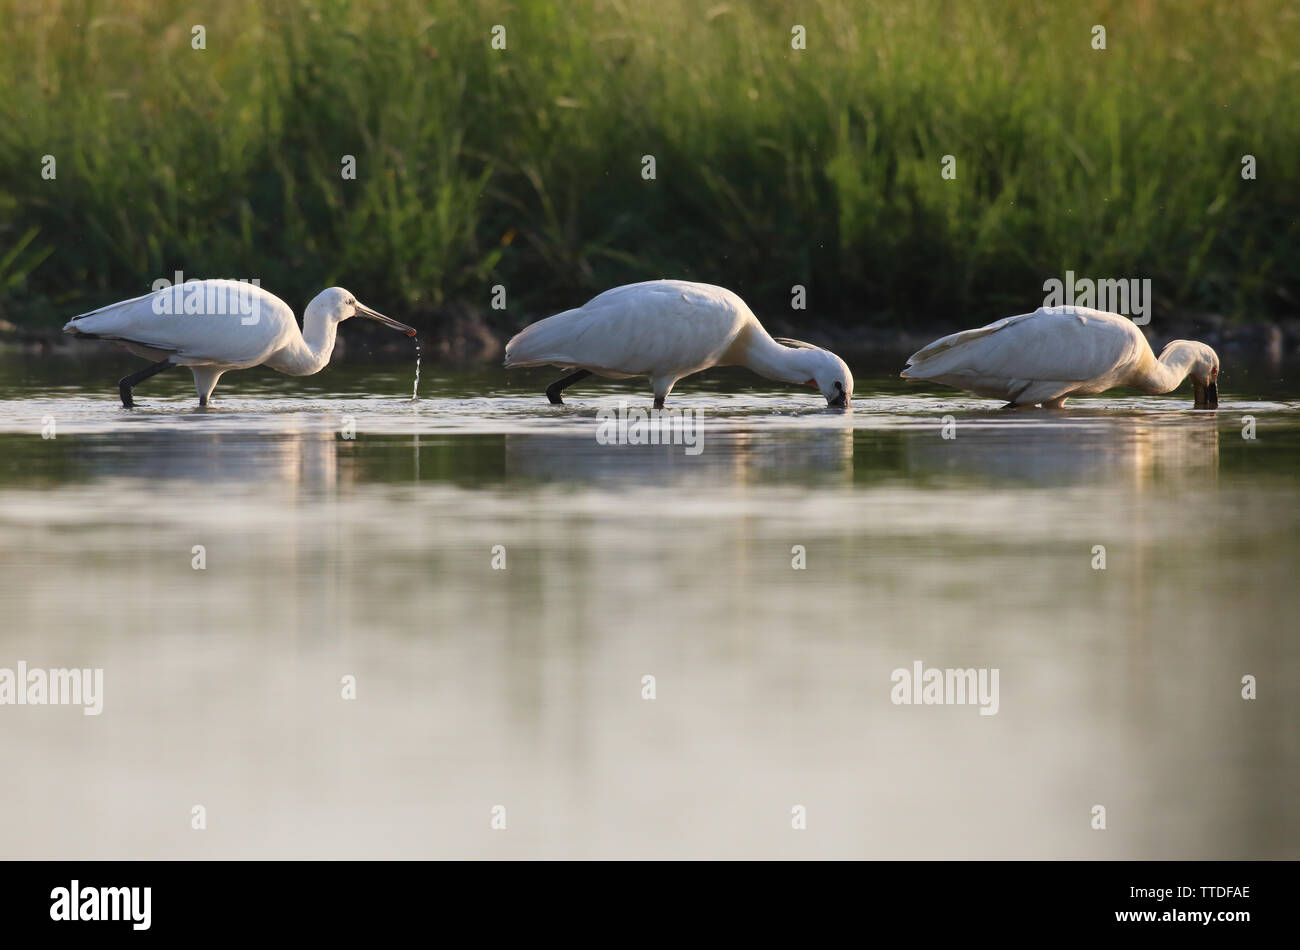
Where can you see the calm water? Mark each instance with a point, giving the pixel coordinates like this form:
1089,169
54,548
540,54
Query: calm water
372,557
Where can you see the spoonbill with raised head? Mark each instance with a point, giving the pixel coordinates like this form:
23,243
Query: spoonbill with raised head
1047,356
215,326
667,330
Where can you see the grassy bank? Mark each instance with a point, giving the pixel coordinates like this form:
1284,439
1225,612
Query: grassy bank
774,167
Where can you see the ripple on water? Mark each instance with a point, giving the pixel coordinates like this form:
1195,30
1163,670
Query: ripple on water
76,413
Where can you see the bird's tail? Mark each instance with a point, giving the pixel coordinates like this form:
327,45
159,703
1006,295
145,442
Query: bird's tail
937,358
539,343
94,323
927,362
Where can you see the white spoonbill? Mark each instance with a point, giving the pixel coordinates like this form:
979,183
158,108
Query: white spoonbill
668,329
1054,353
214,326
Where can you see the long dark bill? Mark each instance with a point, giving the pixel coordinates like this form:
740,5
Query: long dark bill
386,321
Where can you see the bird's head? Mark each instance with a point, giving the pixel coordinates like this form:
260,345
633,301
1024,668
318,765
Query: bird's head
833,378
1203,368
827,372
336,305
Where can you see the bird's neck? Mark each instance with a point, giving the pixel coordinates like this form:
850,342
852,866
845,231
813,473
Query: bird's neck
766,357
307,352
1167,373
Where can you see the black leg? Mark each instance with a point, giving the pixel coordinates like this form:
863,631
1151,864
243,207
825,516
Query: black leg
560,385
126,383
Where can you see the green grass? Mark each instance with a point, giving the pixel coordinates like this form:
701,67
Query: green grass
775,167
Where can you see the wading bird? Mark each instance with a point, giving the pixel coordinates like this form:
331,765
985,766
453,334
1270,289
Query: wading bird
1047,356
215,326
666,330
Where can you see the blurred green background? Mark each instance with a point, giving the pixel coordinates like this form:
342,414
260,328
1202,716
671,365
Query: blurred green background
775,166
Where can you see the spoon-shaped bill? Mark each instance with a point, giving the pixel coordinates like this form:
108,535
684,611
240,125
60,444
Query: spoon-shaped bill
386,321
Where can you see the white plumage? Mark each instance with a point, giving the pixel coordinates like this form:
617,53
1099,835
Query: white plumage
1047,356
215,326
667,330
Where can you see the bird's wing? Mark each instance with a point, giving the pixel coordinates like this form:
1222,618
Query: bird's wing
1072,344
218,321
797,344
639,329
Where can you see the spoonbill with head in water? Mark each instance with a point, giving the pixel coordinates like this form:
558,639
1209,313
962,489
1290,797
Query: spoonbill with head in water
215,326
1047,356
666,330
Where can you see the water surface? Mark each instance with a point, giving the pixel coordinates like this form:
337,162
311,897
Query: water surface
373,556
